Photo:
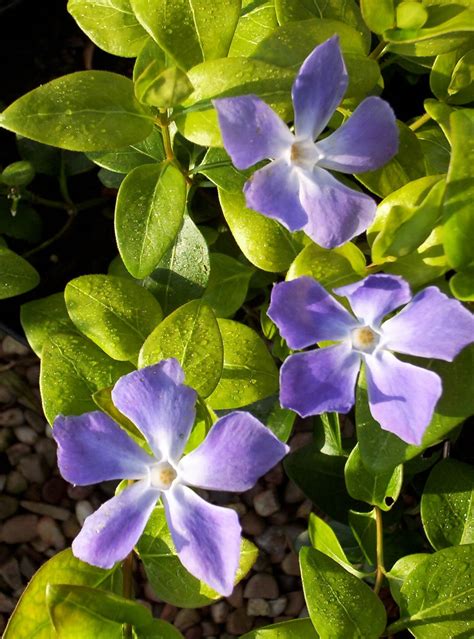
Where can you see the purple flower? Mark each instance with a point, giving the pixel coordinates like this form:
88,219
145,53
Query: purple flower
295,188
236,452
402,397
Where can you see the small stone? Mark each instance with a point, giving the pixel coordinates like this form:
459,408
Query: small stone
11,417
168,613
83,509
79,493
275,476
239,508
290,564
3,481
16,483
10,573
6,603
193,633
295,603
26,435
277,606
6,438
32,375
299,440
266,503
150,593
8,506
258,608
33,469
262,564
37,422
279,518
293,494
47,449
304,509
261,585
236,599
46,509
54,490
220,611
27,567
209,628
249,495
238,622
13,347
19,529
288,583
5,395
186,617
303,613
252,524
16,452
71,528
50,532
273,540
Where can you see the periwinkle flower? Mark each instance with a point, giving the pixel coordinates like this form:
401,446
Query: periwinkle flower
296,188
236,452
402,397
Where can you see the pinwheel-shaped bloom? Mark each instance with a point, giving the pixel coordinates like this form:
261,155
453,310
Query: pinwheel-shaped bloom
236,452
402,396
296,187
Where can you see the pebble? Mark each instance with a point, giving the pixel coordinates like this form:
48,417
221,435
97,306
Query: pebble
168,613
47,449
3,481
10,573
220,611
209,628
6,603
293,494
186,617
19,529
16,452
71,527
32,375
258,607
238,622
51,533
272,540
27,567
295,603
275,476
150,593
10,346
252,524
6,438
53,490
277,606
266,503
299,440
261,585
37,422
193,633
304,509
236,599
8,506
11,417
26,435
290,564
46,509
33,469
83,509
5,395
79,492
15,483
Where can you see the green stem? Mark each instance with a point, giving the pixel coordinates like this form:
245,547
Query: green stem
380,572
56,236
37,199
423,119
63,186
379,50
164,121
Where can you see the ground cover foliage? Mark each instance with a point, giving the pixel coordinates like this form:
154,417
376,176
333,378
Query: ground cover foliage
197,267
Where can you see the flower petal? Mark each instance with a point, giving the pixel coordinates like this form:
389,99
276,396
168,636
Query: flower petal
319,381
375,296
160,405
237,451
335,212
367,141
319,88
274,192
207,537
432,325
251,130
109,534
402,397
305,313
93,448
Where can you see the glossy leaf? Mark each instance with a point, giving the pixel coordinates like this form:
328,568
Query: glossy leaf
379,15
400,571
293,629
436,149
162,88
83,111
462,285
168,577
113,312
447,504
228,284
149,213
43,317
249,372
323,538
257,21
218,168
192,336
340,605
364,529
452,76
16,274
72,369
149,151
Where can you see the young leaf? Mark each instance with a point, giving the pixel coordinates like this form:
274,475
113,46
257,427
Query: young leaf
149,213
379,15
162,88
258,20
83,111
16,274
149,151
192,336
364,528
340,605
447,504
43,317
113,312
462,284
249,372
400,571
323,538
294,629
228,284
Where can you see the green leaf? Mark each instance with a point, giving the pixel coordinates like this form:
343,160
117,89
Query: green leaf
345,11
458,214
340,605
379,15
452,76
17,276
330,267
218,168
294,629
406,166
228,284
72,369
158,629
327,434
42,318
150,151
462,285
149,213
447,504
113,312
230,77
18,173
110,24
190,31
437,598
26,224
436,149
323,538
263,241
411,15
400,571
83,111
406,218
440,113
103,399
364,529
249,372
183,272
258,20
192,336
168,577
162,88
31,619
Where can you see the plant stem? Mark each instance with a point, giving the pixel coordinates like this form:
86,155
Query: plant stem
379,551
56,236
164,123
37,199
423,119
379,50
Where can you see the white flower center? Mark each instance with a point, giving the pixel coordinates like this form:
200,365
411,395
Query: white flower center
304,154
162,475
364,339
